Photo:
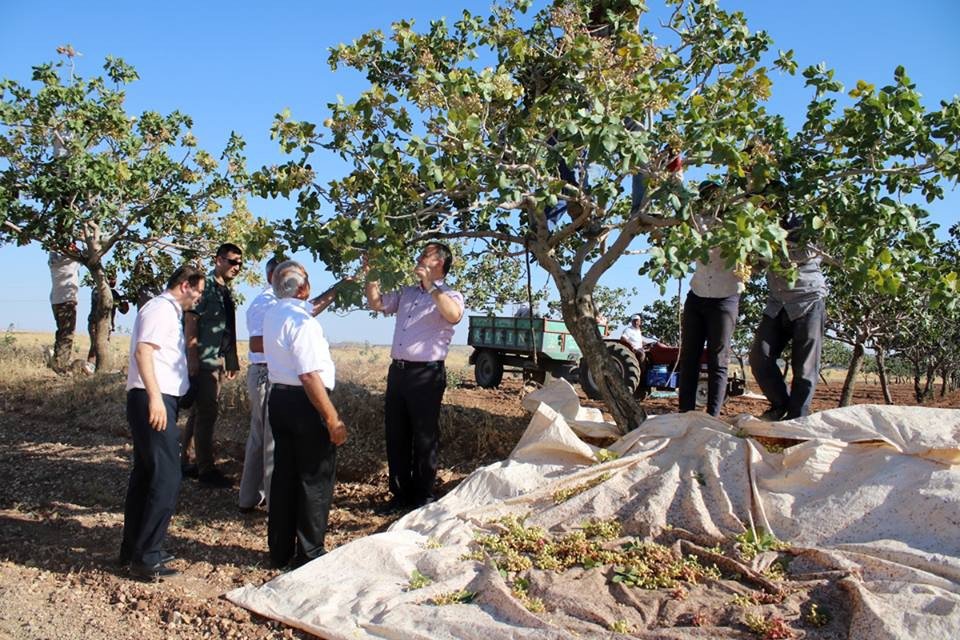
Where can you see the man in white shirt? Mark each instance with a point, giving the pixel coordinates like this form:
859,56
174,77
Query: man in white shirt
65,282
306,426
633,334
258,457
156,379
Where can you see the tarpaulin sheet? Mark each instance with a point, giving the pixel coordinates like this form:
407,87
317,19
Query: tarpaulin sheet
869,500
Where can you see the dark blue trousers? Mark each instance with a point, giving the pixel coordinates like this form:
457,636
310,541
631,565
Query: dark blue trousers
154,480
413,399
710,320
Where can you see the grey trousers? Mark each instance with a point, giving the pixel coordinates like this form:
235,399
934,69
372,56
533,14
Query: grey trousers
806,337
258,456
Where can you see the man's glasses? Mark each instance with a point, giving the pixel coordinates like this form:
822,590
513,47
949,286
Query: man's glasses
236,262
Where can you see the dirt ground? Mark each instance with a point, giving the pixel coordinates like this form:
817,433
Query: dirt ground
64,460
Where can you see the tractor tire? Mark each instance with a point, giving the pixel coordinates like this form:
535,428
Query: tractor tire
488,369
569,371
627,365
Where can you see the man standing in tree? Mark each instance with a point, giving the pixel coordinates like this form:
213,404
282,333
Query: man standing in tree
306,426
65,281
156,379
426,315
211,330
793,314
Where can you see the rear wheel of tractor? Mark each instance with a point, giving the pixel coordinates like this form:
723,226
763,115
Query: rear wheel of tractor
627,367
488,370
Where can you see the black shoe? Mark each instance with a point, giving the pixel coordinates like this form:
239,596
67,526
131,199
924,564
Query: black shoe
125,558
773,414
214,480
392,507
151,572
189,471
248,510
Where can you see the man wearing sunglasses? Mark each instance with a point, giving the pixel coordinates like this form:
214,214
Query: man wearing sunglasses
211,333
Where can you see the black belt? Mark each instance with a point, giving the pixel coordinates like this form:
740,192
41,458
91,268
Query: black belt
292,387
258,364
409,364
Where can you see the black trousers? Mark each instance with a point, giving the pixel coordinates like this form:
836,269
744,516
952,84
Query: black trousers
203,417
805,335
154,480
301,492
412,406
710,320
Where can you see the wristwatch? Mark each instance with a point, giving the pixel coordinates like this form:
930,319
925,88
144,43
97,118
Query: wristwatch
433,288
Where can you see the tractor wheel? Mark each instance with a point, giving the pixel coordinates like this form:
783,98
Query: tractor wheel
488,369
627,365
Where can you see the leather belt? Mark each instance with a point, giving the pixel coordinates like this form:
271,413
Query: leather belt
292,387
409,364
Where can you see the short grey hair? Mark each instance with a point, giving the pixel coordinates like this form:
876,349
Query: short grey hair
288,277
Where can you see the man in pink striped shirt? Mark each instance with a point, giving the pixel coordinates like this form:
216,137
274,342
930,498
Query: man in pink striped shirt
426,315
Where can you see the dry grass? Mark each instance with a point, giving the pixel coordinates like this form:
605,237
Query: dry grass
471,434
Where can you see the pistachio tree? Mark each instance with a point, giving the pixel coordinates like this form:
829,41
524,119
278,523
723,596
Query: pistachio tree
84,178
556,129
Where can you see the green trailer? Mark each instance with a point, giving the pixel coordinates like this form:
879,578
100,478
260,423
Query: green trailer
534,346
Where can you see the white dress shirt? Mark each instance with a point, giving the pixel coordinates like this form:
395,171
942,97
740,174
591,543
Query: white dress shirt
634,335
255,313
294,344
160,323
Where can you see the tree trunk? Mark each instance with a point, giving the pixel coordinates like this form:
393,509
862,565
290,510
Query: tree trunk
882,374
928,387
856,361
917,389
580,316
100,313
944,374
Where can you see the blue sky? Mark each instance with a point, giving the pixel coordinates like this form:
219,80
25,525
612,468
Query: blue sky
233,65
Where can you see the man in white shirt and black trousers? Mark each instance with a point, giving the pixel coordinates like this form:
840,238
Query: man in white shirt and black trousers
156,379
306,426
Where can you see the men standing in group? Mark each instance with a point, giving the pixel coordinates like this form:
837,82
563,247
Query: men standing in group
793,314
65,283
426,315
156,378
211,332
306,427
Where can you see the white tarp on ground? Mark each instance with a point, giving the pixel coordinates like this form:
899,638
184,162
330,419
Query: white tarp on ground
872,494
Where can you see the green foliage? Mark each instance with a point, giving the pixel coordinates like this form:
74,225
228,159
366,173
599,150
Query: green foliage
752,542
562,495
83,177
661,319
649,565
768,628
476,129
453,597
418,581
816,616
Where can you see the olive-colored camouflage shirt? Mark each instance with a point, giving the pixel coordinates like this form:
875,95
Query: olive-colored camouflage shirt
216,327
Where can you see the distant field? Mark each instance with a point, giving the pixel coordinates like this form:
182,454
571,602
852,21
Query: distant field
343,353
